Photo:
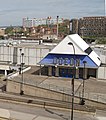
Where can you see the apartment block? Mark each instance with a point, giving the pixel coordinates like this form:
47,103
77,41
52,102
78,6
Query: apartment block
89,26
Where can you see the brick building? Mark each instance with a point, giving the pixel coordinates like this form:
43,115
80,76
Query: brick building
89,26
2,32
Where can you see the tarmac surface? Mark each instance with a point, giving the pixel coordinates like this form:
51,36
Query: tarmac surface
14,111
94,89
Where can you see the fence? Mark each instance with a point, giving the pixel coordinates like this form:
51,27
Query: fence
92,96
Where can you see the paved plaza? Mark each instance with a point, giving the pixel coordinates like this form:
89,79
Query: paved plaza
94,89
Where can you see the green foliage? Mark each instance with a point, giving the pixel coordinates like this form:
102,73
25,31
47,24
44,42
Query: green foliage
97,40
1,37
64,27
101,40
9,30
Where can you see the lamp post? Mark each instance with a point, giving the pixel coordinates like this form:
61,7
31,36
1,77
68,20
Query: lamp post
57,26
70,43
20,61
20,55
22,79
82,101
8,54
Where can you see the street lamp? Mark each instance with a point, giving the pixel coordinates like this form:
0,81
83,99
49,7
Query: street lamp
70,43
8,54
20,61
22,82
82,101
57,26
20,55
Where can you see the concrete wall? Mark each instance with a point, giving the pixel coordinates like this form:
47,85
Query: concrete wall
101,73
32,55
103,58
14,87
4,67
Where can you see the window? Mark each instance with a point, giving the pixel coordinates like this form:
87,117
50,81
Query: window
77,62
60,61
71,61
55,60
88,50
66,61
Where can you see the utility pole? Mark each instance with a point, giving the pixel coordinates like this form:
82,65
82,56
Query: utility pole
105,7
22,79
57,26
82,101
74,73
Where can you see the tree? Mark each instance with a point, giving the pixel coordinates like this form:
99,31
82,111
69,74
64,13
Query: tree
9,30
101,40
64,28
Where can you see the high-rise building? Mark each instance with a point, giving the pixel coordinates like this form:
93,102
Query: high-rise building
74,26
28,23
33,22
89,26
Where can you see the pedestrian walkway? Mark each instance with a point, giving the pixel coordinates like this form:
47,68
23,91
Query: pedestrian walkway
14,115
93,89
101,118
3,119
4,113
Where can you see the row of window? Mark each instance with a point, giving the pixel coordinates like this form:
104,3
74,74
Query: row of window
93,29
66,61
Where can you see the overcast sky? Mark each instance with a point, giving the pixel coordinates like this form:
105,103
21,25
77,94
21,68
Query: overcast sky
12,11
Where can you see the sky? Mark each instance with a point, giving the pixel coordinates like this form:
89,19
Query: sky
12,11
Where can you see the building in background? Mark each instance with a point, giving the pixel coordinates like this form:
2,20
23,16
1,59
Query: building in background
74,26
27,23
50,27
2,32
89,26
33,22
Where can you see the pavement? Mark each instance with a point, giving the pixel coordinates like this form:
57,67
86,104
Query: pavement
94,89
4,113
101,115
14,115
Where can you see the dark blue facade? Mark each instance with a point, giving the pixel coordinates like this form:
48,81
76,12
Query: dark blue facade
67,59
65,64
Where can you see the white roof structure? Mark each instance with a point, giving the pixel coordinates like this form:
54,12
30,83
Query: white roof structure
79,44
81,48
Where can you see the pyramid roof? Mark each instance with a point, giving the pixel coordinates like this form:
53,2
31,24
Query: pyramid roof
77,49
80,46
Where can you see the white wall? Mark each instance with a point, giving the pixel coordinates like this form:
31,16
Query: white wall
32,55
101,73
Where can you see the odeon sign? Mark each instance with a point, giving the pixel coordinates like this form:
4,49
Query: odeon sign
66,61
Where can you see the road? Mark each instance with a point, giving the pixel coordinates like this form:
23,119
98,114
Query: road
25,112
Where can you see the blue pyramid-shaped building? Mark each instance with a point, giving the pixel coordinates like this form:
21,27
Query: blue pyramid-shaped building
64,54
71,52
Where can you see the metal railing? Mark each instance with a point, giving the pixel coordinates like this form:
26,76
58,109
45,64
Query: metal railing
88,95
